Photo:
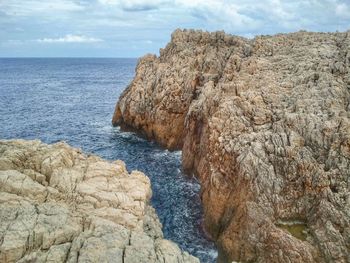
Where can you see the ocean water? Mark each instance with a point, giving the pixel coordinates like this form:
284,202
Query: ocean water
73,99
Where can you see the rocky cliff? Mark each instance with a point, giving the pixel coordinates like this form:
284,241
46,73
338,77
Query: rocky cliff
59,205
265,125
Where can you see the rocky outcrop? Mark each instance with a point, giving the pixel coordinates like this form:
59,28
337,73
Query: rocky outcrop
265,125
59,205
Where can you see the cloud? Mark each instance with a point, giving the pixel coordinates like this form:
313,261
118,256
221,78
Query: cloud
227,14
342,10
70,39
120,24
31,7
135,5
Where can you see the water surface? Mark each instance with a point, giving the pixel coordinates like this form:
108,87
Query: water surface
73,100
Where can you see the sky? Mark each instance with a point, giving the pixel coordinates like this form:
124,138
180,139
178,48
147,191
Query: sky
131,28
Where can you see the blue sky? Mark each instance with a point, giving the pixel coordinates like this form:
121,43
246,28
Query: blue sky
131,28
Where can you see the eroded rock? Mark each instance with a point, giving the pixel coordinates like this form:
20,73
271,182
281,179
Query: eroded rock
59,205
265,125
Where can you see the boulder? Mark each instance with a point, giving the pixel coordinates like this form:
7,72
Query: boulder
58,204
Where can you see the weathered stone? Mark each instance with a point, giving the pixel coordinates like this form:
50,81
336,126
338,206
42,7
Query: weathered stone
265,125
59,205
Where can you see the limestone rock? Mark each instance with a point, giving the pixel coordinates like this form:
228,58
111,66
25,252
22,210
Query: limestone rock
265,125
60,205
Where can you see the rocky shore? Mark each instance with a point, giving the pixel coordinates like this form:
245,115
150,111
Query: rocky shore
60,205
265,125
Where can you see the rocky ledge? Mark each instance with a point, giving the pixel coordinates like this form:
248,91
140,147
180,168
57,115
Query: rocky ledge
59,205
265,125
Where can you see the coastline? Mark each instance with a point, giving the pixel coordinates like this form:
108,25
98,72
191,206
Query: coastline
243,112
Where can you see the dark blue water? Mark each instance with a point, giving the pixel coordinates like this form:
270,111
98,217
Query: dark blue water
73,100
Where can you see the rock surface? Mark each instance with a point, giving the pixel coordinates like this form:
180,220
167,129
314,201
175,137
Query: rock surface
265,125
59,205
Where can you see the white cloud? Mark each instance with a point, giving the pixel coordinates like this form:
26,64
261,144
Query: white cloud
31,7
342,10
108,2
70,39
118,24
227,14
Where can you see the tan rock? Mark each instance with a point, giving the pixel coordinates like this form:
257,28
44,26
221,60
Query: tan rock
59,205
265,125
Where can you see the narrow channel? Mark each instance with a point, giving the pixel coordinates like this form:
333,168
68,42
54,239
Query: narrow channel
73,100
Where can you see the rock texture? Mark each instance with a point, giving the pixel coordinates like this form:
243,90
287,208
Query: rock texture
59,205
265,125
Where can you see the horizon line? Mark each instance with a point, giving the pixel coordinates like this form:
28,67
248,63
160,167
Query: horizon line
70,57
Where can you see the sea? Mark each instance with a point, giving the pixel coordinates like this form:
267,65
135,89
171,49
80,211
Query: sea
73,100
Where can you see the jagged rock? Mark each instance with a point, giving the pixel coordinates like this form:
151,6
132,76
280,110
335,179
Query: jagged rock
59,205
265,125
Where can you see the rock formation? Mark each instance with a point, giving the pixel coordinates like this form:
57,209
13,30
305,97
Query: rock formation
265,125
59,205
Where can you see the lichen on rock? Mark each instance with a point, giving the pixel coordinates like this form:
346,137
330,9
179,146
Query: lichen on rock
60,205
265,125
